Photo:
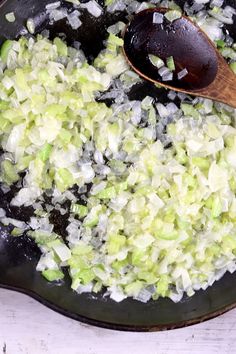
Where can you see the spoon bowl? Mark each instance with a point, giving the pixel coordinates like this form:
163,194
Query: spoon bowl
199,69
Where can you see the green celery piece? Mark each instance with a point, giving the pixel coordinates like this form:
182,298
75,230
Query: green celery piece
42,238
23,162
163,285
181,155
170,63
233,66
65,135
148,277
54,110
4,124
4,105
107,193
97,287
201,162
189,110
115,243
228,242
9,170
118,265
156,61
17,232
220,43
77,262
91,221
216,209
63,179
79,209
86,276
115,40
122,186
5,48
45,152
167,236
134,288
173,15
53,275
81,250
137,256
62,48
43,76
109,2
21,79
75,283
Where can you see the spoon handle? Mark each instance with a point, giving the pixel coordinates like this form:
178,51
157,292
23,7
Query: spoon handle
223,88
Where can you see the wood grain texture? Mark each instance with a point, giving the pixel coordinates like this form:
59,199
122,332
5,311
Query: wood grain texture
27,327
223,88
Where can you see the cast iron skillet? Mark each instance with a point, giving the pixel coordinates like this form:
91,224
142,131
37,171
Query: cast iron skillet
19,256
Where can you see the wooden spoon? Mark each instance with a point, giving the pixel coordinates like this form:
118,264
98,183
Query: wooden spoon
204,70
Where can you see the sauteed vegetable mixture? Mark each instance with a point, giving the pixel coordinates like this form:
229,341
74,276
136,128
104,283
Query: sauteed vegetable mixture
148,189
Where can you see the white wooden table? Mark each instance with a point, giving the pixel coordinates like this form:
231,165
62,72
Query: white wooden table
27,327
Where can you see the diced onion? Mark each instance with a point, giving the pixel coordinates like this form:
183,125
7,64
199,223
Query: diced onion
146,187
10,17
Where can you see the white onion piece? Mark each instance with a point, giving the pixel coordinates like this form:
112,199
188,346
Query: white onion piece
167,77
2,213
222,16
53,5
26,196
5,188
117,5
171,108
17,223
163,71
202,1
157,18
93,8
162,110
74,20
217,3
30,24
57,14
10,17
182,73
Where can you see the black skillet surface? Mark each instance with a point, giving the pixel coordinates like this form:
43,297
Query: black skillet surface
19,256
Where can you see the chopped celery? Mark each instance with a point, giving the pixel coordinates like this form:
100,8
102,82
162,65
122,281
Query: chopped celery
64,179
150,211
16,232
45,152
233,66
115,242
81,249
220,43
62,48
189,110
79,209
107,193
156,61
115,40
134,288
43,237
5,48
163,285
170,63
85,276
9,172
173,15
53,275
